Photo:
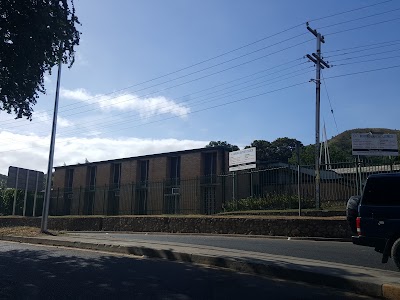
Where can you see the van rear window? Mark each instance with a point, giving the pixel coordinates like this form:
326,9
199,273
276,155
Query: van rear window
382,191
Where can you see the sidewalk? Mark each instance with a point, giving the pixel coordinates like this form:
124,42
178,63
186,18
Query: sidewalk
367,281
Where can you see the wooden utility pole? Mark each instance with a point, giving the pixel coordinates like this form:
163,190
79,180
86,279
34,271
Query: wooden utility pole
316,58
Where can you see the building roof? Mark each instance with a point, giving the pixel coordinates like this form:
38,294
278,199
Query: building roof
324,174
117,160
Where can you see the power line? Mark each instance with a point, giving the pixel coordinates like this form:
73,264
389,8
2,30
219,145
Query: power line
242,99
368,60
177,85
364,26
393,42
239,48
243,89
349,11
193,112
360,18
362,72
330,103
182,97
363,50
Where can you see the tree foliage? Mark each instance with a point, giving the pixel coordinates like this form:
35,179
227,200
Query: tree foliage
222,144
279,150
35,34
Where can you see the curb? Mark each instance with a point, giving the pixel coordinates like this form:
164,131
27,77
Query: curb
274,237
248,266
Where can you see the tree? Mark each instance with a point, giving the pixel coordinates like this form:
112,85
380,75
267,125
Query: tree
35,34
279,150
283,148
222,144
263,150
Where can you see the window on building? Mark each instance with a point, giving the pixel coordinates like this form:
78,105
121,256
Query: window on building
175,169
92,177
70,178
116,175
210,163
144,171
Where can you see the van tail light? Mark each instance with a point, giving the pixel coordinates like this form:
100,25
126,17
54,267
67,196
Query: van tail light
358,224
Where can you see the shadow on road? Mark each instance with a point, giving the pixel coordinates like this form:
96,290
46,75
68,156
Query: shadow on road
31,272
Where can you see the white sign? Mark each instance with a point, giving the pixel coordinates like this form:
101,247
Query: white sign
374,144
242,159
242,167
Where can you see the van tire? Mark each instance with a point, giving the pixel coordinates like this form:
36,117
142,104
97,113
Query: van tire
396,253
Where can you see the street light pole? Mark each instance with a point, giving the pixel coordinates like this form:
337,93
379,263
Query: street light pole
46,203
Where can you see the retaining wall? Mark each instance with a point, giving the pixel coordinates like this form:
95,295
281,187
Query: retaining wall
334,227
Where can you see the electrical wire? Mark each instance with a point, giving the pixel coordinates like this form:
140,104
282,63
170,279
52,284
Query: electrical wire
330,103
361,27
209,99
363,46
192,112
360,18
364,61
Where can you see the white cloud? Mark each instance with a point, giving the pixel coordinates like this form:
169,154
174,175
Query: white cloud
44,117
31,151
146,106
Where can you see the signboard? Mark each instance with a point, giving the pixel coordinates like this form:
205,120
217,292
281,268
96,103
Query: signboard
242,159
24,179
372,144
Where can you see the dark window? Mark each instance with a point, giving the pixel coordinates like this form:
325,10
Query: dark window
144,171
210,163
92,177
175,169
116,175
70,178
382,191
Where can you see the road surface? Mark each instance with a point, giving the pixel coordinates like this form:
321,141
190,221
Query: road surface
40,272
338,252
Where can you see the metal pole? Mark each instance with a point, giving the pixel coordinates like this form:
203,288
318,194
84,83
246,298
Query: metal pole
15,192
35,197
317,123
298,175
46,204
26,192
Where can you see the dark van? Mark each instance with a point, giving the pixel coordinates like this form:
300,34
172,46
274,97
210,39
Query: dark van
378,221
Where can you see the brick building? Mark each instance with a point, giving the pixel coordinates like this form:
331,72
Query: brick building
174,182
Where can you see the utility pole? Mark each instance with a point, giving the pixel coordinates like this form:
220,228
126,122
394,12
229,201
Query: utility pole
320,64
46,202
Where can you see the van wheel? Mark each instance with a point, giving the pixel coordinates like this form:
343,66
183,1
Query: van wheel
396,253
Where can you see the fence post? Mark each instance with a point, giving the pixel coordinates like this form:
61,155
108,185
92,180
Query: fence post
104,199
58,195
132,197
298,175
79,200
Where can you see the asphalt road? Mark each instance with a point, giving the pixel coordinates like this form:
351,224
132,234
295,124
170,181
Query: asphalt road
39,272
339,252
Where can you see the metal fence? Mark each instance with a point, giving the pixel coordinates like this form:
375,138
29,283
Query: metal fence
279,186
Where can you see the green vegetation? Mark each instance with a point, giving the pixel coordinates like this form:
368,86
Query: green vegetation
269,202
35,35
340,147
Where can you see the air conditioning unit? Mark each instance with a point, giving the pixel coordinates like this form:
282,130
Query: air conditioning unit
175,191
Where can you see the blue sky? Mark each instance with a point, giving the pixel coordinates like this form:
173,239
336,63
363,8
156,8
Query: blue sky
159,76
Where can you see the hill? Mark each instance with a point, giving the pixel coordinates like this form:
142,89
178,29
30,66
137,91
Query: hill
343,141
340,149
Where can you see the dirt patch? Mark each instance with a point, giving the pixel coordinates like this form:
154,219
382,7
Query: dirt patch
21,231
